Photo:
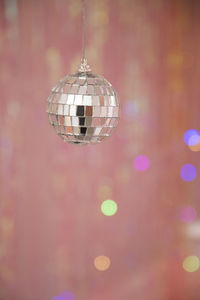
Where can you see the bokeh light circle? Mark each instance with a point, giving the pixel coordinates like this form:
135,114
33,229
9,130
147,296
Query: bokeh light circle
141,163
109,207
194,140
188,172
191,264
102,263
64,296
130,109
188,214
67,295
191,137
195,147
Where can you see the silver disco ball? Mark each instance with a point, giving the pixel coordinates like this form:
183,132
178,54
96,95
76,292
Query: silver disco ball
83,108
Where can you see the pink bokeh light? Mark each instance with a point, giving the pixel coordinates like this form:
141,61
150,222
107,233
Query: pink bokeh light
141,163
188,214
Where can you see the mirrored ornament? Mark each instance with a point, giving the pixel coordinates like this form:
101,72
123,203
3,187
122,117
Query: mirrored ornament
83,108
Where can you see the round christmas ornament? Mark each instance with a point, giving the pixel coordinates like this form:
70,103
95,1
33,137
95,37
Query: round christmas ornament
83,108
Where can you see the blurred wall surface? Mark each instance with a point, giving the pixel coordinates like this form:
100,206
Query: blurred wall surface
56,241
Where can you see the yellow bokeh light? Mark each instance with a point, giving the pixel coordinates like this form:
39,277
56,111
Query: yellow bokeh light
102,263
74,9
195,148
191,264
175,59
104,191
52,55
176,84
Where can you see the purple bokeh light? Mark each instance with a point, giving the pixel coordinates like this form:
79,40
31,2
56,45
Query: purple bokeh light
64,296
141,163
188,214
130,109
191,137
188,172
194,140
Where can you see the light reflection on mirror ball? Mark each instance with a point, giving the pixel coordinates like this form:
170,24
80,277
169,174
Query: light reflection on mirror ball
83,108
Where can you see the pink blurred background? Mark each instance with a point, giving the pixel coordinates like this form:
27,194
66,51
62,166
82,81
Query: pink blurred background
51,224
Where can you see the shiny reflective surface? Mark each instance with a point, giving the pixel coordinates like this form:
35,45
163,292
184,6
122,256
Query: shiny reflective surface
83,108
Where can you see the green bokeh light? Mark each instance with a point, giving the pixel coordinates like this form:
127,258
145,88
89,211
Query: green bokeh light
191,264
109,207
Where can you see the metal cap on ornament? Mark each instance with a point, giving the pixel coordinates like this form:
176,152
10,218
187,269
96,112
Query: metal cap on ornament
83,108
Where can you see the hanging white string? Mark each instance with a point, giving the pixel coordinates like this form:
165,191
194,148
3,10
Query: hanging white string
83,29
84,67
